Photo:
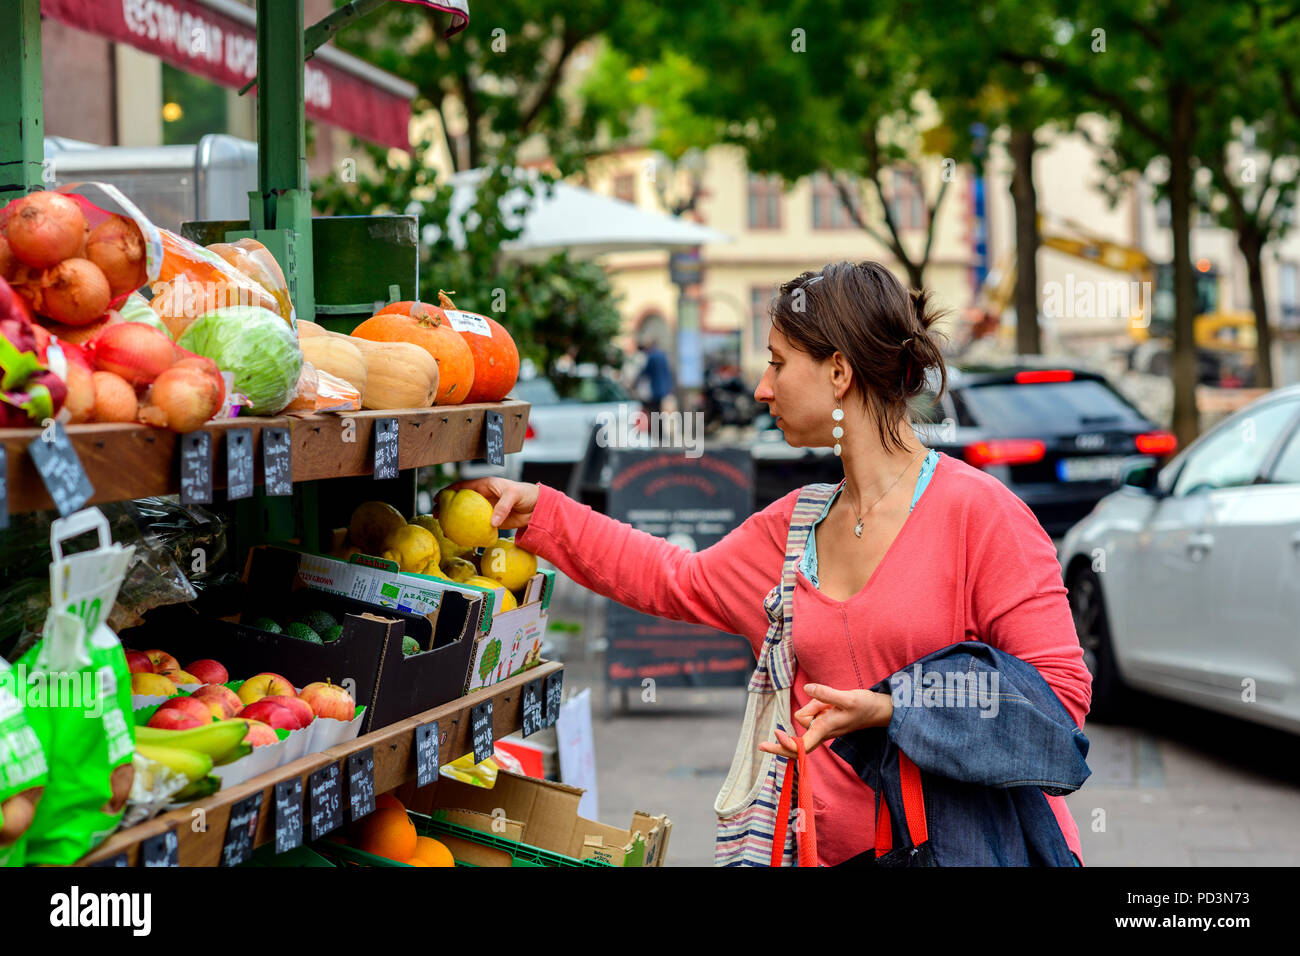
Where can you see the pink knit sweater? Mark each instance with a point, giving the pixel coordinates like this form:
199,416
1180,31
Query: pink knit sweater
970,563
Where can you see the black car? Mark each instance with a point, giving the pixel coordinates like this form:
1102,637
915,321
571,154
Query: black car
1054,436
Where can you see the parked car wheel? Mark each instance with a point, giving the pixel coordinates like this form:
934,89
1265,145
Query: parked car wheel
1091,624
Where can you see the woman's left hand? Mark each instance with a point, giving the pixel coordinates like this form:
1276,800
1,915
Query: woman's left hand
832,713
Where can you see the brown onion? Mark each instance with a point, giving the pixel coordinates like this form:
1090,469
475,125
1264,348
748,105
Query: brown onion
116,245
115,399
8,264
137,352
74,292
45,228
182,399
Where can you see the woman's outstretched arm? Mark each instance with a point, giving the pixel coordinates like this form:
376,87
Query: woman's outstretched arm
722,586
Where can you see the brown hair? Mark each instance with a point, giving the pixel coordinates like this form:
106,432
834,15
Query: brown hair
884,331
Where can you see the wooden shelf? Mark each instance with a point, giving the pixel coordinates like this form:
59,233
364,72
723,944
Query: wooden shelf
135,461
394,765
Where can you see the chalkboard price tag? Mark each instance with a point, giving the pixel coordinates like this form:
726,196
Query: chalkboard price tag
277,461
426,754
554,693
481,729
386,448
240,830
61,470
162,850
288,815
496,438
534,712
196,468
325,796
118,859
239,463
361,783
4,489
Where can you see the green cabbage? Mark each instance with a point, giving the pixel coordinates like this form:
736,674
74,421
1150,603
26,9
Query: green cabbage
256,346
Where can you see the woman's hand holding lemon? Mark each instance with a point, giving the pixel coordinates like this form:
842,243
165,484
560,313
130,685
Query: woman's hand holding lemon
513,501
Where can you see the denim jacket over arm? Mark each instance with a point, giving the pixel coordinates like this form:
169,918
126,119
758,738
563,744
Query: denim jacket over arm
990,738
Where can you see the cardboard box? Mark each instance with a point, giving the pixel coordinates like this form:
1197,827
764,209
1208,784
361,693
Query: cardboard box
507,643
544,814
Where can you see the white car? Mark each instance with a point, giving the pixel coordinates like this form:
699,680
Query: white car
1185,582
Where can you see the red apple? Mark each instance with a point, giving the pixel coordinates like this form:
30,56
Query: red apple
301,709
162,661
208,671
266,685
137,662
226,698
329,700
174,719
271,713
199,709
259,734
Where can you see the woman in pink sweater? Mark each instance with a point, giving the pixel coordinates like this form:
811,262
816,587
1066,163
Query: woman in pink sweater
917,550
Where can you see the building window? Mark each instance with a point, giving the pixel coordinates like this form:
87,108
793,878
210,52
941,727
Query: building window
760,298
1288,294
625,187
907,200
765,201
828,209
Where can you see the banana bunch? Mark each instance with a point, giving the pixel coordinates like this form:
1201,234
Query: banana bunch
193,753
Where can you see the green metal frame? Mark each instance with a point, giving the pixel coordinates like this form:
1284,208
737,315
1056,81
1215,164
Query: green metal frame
22,108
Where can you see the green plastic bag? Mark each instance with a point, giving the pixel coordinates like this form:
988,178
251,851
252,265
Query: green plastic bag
22,761
256,346
78,696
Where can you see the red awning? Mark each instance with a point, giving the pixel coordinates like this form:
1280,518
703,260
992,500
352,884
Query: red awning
218,40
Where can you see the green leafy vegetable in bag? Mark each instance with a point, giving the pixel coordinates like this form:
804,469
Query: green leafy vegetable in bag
256,346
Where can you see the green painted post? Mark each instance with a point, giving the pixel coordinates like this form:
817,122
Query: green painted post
22,111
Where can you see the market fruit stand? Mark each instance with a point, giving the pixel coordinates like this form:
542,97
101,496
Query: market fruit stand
328,453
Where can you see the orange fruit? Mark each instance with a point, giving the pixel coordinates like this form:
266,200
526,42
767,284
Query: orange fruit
388,800
432,852
387,832
416,861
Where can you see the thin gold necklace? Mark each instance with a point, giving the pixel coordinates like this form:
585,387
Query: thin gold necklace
857,529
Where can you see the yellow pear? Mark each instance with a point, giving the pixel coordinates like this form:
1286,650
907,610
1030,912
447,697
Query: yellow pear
466,518
372,522
508,563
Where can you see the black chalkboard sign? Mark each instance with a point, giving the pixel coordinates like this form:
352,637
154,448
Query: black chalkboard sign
288,815
196,468
481,730
534,711
161,850
325,800
426,754
60,469
554,696
239,463
386,447
4,489
117,859
277,461
361,784
241,830
495,423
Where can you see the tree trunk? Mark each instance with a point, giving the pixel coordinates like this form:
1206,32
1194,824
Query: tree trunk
1028,341
915,273
1186,421
1252,248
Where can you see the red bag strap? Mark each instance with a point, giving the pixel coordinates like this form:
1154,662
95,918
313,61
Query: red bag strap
913,809
807,840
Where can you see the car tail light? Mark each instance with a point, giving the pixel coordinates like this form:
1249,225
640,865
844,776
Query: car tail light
1005,451
1156,443
529,432
1045,375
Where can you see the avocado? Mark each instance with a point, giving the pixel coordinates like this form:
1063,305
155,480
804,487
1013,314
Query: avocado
331,634
303,632
410,646
266,624
318,620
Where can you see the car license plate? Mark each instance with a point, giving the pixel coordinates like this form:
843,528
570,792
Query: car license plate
1096,468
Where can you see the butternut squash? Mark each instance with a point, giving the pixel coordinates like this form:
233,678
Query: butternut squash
336,355
398,374
310,330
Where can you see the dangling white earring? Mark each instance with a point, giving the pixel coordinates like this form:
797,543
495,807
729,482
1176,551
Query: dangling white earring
837,415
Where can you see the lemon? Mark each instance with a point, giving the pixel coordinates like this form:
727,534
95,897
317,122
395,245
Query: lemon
458,569
508,602
372,522
466,518
446,547
508,563
412,547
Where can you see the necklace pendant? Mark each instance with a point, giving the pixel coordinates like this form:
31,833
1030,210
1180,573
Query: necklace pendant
857,528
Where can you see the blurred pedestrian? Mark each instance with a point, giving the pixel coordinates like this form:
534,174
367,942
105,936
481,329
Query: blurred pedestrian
657,375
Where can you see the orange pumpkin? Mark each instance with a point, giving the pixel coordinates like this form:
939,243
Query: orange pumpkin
496,359
423,325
